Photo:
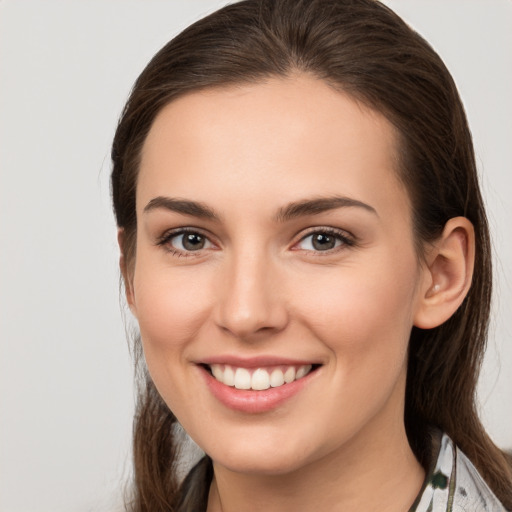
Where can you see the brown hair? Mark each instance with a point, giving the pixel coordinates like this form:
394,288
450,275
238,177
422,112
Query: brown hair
362,48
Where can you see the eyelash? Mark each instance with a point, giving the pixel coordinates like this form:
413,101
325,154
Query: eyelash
165,239
345,238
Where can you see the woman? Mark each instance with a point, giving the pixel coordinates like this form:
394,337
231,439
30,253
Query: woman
305,249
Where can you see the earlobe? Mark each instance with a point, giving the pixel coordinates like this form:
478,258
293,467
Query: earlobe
127,277
449,273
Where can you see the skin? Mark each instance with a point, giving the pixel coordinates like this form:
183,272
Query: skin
259,287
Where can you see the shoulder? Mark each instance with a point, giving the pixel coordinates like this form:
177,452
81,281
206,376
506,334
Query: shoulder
453,484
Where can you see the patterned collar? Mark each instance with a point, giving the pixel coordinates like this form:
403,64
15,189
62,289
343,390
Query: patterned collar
453,484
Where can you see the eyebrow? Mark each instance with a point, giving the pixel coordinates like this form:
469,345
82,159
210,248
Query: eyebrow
319,205
291,211
183,206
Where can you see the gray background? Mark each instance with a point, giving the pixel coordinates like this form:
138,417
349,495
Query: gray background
66,67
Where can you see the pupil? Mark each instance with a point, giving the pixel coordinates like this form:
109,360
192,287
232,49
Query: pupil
323,242
193,242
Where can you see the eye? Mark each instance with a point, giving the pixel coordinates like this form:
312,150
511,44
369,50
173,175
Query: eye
323,240
185,241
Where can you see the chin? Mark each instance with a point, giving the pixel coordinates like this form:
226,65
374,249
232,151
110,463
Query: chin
260,464
261,456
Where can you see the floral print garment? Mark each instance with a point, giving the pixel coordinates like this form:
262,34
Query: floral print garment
454,485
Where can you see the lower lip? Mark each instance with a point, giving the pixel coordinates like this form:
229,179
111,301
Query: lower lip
250,401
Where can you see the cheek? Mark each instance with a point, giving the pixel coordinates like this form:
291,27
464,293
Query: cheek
364,318
171,308
363,312
171,305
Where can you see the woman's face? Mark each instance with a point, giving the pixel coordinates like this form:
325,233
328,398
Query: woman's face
275,240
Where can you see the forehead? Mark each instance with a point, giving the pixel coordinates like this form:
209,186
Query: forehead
281,138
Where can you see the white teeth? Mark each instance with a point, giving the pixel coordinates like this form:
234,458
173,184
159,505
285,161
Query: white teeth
229,376
302,371
260,379
276,378
217,372
242,379
289,375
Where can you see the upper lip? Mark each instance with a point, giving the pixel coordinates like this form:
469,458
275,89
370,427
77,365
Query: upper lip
256,361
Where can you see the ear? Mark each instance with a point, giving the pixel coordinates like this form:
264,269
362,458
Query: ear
449,270
126,273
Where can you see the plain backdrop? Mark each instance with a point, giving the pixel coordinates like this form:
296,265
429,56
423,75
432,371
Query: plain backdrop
66,67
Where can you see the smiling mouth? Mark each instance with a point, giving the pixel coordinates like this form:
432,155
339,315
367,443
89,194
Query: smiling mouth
259,379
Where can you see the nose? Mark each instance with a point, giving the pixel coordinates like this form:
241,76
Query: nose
250,301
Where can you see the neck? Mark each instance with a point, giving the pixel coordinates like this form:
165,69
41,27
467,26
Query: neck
374,471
